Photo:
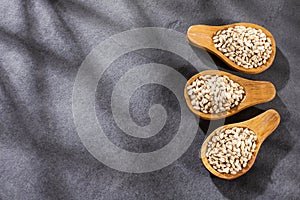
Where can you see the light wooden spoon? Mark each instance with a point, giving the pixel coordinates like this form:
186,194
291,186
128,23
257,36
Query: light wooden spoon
262,125
256,92
201,36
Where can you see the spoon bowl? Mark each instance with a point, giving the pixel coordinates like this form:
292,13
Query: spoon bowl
256,92
201,36
262,125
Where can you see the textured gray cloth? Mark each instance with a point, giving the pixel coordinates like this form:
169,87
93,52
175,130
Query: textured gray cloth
42,46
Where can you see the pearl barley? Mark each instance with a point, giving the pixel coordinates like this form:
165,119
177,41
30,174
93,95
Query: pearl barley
230,150
215,93
247,47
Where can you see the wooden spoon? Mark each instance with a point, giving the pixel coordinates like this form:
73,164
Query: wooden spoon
262,125
256,92
201,36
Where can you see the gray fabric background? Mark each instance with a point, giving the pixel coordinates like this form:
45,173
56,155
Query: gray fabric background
42,46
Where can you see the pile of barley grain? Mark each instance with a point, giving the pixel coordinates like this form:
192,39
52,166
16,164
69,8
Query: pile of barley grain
247,47
229,150
215,93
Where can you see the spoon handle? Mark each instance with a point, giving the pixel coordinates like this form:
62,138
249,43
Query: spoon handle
259,92
264,124
201,35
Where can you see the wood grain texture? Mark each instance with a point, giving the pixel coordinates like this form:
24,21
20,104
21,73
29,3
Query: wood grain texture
201,36
256,92
262,125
